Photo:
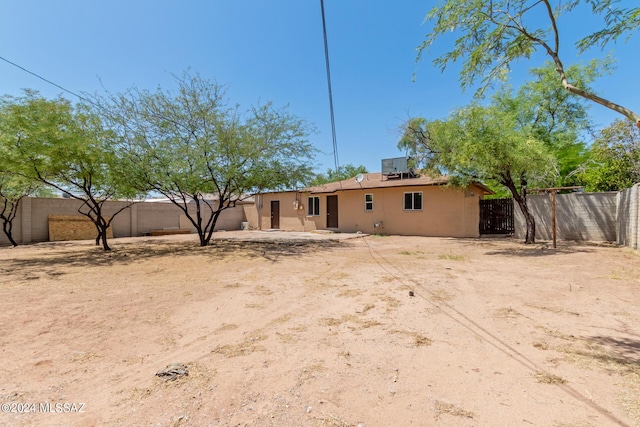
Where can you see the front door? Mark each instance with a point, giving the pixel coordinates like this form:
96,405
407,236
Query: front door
332,211
275,214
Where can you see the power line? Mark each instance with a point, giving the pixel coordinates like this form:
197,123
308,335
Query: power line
46,80
333,122
100,108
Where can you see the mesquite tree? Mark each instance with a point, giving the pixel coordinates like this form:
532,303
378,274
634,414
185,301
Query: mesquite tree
68,148
204,156
493,34
13,188
482,143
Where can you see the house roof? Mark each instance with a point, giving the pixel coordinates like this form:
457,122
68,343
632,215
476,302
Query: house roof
377,180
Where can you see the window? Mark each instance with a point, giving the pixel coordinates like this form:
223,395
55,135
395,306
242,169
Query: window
368,202
314,206
413,201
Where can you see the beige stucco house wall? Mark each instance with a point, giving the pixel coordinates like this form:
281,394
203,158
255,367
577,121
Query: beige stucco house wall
377,206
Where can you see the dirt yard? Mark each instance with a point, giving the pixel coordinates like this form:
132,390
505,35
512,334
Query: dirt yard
367,331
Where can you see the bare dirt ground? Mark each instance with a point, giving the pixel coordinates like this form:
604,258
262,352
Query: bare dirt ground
304,332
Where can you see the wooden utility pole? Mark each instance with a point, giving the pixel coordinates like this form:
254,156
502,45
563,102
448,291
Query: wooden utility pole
553,192
553,216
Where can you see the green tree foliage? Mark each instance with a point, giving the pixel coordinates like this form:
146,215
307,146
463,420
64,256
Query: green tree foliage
344,172
556,117
615,161
14,185
13,188
493,34
204,156
483,143
68,149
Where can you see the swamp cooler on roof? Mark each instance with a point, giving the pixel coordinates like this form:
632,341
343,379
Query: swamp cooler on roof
395,165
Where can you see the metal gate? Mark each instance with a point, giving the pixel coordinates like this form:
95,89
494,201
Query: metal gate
496,216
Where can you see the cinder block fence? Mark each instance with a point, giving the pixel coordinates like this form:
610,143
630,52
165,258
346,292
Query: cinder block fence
32,225
605,217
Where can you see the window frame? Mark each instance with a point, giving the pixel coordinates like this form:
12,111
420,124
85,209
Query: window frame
313,206
413,200
368,204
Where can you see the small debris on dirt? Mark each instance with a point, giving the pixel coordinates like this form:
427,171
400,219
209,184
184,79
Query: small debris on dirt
547,378
411,293
448,408
173,371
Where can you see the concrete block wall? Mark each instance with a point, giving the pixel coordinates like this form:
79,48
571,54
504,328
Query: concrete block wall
579,216
628,217
155,216
31,223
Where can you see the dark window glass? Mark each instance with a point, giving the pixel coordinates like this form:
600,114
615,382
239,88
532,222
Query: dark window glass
417,201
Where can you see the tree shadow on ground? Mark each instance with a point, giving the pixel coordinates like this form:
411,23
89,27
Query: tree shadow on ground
510,246
625,351
538,251
129,253
546,248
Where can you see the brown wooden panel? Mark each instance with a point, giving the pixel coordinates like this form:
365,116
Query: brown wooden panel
73,227
332,211
275,214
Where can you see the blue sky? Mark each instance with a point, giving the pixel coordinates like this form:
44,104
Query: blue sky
270,51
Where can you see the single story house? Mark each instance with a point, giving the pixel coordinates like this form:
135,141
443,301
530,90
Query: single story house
403,204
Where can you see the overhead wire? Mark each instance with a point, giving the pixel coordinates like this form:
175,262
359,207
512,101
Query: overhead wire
101,108
46,80
333,122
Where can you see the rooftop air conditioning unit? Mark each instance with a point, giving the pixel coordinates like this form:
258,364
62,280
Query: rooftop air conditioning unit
395,165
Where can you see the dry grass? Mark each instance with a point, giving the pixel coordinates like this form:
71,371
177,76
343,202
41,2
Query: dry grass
626,274
199,377
440,295
366,308
227,327
507,313
541,345
364,324
282,319
556,333
329,420
261,291
350,293
349,318
554,310
84,356
450,409
587,354
392,303
411,253
287,337
629,398
255,305
547,378
332,321
247,347
452,257
419,340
